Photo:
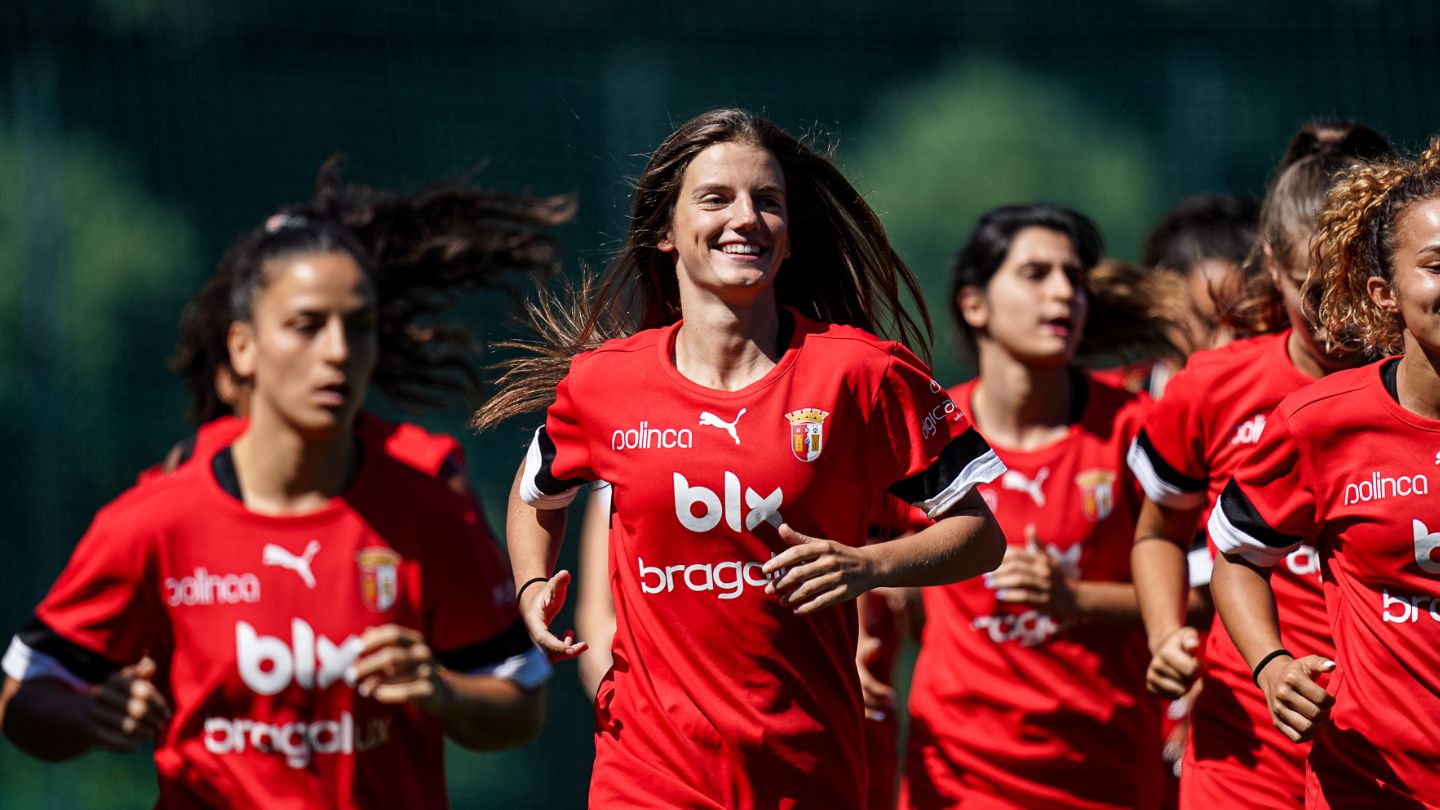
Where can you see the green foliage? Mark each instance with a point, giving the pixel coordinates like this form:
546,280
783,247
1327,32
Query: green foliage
937,154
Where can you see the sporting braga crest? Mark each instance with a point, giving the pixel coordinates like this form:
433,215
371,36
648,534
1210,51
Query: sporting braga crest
379,577
1098,490
807,432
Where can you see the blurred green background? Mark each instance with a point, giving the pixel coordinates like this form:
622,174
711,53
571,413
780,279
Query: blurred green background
139,138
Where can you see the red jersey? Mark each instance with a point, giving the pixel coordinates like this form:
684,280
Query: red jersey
255,621
409,444
1343,463
719,695
1014,707
1211,418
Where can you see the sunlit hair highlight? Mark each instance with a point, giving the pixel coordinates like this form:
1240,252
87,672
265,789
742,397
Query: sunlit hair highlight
1315,157
1357,242
423,252
842,268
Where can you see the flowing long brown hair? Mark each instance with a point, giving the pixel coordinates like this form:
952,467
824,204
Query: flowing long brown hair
424,252
842,268
1356,242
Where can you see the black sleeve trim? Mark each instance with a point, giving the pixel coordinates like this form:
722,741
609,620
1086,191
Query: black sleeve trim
1168,474
83,663
962,451
545,481
508,643
1242,515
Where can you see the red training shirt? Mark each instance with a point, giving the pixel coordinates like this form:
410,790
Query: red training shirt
1344,464
1213,415
1012,706
719,696
255,621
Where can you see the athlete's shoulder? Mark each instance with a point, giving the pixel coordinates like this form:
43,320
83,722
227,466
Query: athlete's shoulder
836,337
409,443
1326,401
1223,360
156,503
617,349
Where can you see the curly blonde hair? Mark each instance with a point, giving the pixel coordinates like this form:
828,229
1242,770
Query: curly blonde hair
1356,242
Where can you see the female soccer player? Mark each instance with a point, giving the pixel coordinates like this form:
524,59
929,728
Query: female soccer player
1212,415
1029,690
744,432
1346,464
434,248
303,618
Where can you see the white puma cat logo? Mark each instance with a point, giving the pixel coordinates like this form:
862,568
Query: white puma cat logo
277,556
708,419
1016,480
1425,545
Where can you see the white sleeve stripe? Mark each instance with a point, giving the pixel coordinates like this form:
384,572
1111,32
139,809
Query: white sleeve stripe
528,669
23,663
1202,565
1156,488
1232,540
981,470
529,487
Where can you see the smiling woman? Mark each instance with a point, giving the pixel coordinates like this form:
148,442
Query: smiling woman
1369,702
736,555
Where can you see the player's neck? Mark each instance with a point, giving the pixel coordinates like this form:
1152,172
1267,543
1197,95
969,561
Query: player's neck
726,346
1020,406
1418,380
282,472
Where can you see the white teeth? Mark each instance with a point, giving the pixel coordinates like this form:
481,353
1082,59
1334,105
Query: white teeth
744,250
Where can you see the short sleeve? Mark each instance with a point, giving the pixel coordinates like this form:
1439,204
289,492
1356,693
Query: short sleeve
473,625
1167,456
923,448
1268,506
101,614
558,460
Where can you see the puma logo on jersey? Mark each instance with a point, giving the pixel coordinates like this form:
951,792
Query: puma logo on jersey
708,419
1016,480
1426,544
282,558
1249,431
1067,560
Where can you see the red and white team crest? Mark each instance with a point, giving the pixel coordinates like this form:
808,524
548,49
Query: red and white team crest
1098,489
379,577
807,432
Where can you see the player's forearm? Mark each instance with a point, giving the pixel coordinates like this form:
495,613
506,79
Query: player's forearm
1111,602
966,543
1161,575
1246,605
46,718
532,536
484,713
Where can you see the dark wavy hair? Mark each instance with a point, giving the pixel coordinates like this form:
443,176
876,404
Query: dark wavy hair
423,252
1125,320
842,268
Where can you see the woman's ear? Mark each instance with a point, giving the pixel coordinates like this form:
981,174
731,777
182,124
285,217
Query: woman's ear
666,243
240,340
1382,293
973,307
